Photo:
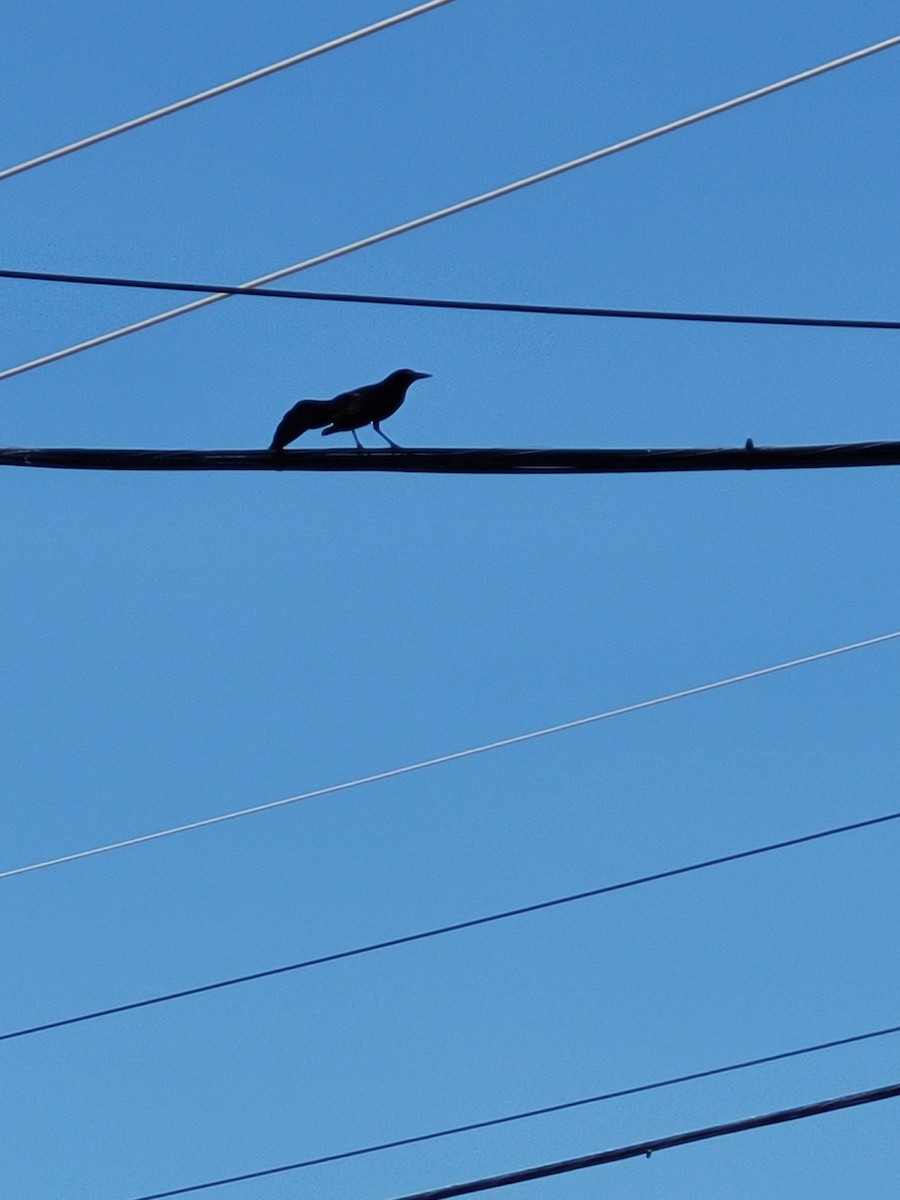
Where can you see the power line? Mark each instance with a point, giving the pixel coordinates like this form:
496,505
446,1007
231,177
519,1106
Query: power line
558,310
466,461
455,756
220,89
645,1149
328,1158
459,926
452,209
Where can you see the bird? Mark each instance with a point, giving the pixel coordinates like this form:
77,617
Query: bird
349,411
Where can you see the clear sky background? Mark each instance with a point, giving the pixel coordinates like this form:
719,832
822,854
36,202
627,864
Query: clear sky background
178,646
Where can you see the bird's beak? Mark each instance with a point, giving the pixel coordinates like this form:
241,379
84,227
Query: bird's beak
422,375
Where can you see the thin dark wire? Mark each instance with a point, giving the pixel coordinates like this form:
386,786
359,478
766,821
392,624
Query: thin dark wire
474,923
558,310
538,1112
645,1149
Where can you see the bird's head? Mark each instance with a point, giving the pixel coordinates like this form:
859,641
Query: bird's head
405,377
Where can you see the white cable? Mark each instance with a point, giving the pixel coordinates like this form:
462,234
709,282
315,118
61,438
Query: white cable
454,757
374,238
304,56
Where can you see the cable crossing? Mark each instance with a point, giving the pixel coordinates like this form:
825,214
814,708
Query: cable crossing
558,1168
461,206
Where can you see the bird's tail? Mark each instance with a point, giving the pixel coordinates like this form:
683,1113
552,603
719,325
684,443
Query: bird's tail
306,414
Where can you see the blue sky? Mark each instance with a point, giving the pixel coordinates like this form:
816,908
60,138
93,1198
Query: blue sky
177,646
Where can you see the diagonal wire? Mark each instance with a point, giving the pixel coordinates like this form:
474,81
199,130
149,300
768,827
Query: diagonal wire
455,756
457,927
220,89
498,306
452,209
538,1112
645,1149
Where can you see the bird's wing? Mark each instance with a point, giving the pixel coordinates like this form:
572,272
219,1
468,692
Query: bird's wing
351,404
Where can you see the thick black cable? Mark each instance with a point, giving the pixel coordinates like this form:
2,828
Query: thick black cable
246,1178
645,1149
457,927
558,310
465,461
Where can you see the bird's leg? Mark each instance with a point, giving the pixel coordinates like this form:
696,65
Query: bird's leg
376,425
359,444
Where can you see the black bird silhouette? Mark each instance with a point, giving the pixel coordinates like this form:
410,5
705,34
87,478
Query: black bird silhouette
349,411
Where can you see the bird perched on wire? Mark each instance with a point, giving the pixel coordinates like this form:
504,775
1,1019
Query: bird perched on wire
349,411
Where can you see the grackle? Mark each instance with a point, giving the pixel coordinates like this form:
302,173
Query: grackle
349,411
